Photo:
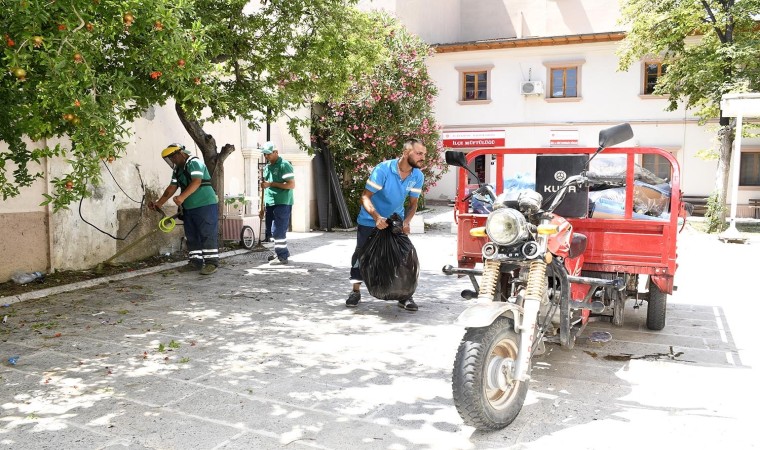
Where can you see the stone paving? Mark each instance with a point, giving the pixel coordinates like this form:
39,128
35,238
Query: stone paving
269,357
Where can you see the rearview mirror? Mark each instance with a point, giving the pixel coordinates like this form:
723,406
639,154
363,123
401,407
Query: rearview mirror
611,136
455,158
615,135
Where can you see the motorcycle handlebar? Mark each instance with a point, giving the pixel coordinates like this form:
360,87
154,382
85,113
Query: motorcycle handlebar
575,180
482,190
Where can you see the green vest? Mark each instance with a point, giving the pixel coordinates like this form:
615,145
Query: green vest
279,172
205,194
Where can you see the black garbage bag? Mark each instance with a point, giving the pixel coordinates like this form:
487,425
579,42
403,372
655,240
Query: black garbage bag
389,264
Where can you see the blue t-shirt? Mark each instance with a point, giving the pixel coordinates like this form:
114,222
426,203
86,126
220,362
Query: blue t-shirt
389,191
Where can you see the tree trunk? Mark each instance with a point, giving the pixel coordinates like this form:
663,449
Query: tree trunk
214,160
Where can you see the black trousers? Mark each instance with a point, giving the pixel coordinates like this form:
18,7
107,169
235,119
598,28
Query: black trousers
362,234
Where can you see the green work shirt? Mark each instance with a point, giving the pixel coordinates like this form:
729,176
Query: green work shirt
279,172
204,195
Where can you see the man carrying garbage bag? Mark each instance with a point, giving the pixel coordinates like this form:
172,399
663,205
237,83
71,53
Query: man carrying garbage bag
389,264
385,192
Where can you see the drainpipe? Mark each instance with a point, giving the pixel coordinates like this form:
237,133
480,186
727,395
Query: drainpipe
48,215
243,146
243,132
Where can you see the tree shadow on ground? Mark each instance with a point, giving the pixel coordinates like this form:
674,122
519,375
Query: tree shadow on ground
264,357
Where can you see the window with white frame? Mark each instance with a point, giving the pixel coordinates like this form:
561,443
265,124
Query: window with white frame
474,84
564,80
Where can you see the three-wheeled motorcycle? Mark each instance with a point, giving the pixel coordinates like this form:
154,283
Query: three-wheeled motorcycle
545,257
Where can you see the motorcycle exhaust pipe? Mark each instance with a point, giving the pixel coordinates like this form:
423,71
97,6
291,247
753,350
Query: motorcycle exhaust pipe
451,270
469,294
617,283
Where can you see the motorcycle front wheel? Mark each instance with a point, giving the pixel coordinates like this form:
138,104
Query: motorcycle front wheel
484,395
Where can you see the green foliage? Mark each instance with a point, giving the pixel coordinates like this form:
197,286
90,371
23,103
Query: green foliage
280,54
715,215
380,111
236,201
711,48
82,71
46,325
707,154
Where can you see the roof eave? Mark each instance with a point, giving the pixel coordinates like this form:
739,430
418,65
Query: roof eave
530,42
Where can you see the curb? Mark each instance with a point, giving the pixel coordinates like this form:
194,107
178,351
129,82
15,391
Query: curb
11,299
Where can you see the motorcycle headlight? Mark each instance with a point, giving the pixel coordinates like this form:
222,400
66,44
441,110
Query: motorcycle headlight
506,226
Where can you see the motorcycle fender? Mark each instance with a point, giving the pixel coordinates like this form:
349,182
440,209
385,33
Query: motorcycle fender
483,314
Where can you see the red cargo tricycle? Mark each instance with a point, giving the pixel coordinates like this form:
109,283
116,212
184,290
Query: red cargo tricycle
544,257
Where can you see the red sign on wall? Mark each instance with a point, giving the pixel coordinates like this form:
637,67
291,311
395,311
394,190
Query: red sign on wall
563,138
474,138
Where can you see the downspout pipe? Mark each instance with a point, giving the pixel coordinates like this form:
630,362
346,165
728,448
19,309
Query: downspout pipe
48,215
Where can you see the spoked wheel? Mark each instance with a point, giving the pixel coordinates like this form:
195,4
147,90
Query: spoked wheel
656,306
485,394
247,238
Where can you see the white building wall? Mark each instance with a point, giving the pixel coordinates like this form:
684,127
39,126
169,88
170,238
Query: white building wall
448,21
433,23
564,17
607,95
490,19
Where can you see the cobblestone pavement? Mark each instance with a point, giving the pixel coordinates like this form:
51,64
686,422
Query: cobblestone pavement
269,357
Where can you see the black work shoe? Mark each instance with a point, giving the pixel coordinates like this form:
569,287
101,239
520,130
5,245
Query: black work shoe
353,299
189,267
271,257
277,261
408,305
208,269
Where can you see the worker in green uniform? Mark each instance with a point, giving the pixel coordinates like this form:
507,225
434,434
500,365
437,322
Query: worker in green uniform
199,204
278,183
